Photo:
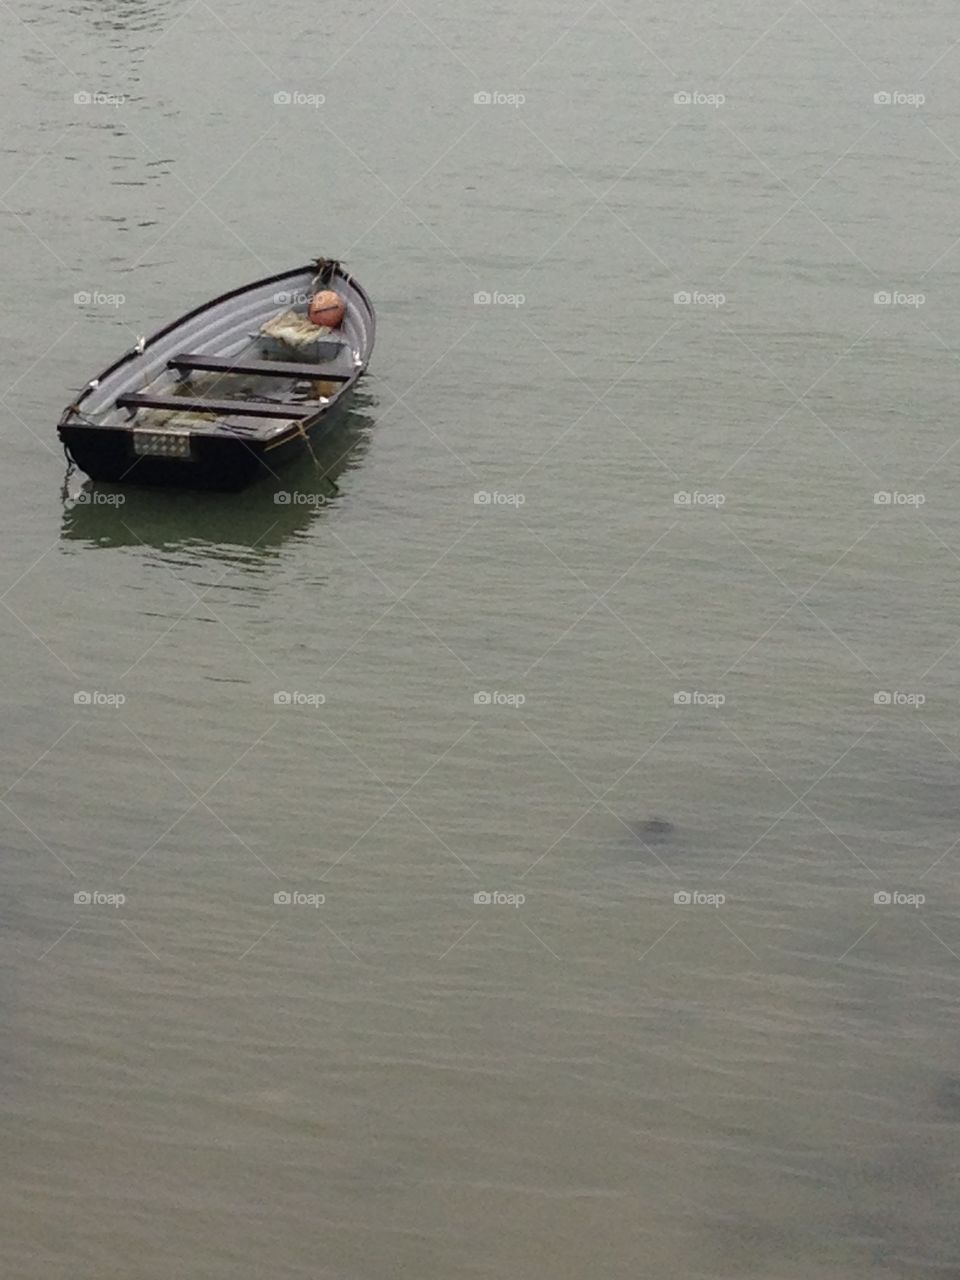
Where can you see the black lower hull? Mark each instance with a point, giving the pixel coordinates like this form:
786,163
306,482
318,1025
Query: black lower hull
215,462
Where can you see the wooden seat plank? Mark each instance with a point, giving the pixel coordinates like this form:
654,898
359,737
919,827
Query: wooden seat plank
259,368
226,408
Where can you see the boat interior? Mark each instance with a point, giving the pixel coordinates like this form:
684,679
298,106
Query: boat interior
250,365
251,392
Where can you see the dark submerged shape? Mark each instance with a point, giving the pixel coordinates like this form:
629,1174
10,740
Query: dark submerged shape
652,830
209,403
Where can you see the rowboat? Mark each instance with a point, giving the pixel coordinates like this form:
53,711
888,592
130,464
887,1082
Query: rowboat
228,393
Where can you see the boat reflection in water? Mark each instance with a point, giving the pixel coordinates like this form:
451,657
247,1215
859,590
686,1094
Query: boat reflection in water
257,522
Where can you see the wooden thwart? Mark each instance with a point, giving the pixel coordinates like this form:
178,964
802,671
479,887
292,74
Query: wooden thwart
259,368
226,408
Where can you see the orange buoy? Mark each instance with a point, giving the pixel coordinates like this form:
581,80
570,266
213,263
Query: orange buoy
327,308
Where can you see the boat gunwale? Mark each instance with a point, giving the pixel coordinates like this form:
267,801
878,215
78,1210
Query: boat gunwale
68,416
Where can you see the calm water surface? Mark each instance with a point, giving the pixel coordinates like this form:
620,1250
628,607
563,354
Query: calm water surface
580,690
